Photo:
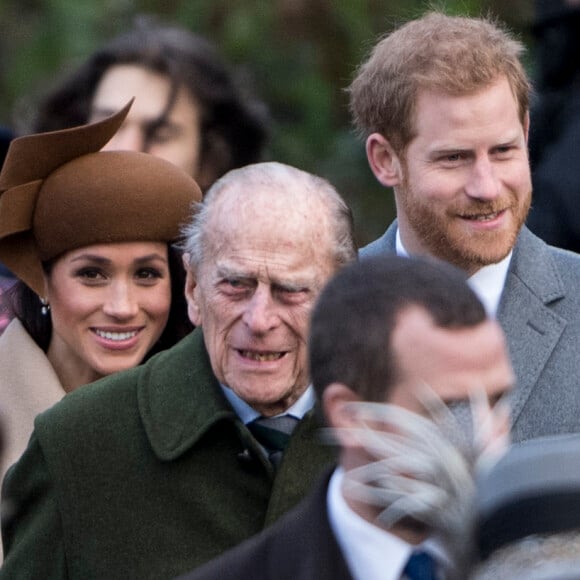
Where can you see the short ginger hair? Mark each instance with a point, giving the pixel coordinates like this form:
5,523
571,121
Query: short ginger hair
452,54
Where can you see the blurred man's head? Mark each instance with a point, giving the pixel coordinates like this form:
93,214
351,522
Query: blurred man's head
400,318
394,330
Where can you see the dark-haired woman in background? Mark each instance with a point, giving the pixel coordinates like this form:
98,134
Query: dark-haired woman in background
190,108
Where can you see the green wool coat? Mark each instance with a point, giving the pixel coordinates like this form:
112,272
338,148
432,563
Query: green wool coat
147,474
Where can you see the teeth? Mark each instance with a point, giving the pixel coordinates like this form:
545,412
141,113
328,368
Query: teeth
116,335
483,218
261,357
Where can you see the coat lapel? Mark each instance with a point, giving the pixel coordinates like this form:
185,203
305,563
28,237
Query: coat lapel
304,545
532,328
180,398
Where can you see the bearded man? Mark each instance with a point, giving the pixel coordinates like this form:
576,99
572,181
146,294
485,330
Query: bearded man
443,103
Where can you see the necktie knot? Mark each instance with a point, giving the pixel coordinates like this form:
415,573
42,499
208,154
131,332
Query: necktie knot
420,566
273,433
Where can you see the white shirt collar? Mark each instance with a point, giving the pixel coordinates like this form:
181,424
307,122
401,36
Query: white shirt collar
488,282
371,552
247,413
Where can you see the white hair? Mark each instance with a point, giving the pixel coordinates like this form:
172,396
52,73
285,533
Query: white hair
279,179
553,556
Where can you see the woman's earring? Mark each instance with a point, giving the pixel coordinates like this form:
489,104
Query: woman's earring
45,308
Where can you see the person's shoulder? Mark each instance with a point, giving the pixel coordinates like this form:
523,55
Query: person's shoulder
550,274
373,248
533,251
564,256
568,262
244,561
90,403
14,336
115,395
383,244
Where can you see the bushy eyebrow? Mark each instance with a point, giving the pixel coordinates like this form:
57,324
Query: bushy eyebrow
226,272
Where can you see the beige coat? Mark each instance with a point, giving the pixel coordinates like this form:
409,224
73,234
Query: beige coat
28,386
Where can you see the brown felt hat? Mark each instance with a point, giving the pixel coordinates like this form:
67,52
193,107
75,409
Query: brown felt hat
58,192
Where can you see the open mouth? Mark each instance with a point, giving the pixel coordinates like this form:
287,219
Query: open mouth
261,356
116,336
484,217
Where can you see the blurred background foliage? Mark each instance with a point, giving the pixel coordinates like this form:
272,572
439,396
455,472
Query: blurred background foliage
298,55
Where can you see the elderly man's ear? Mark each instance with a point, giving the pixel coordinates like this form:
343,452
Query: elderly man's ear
191,293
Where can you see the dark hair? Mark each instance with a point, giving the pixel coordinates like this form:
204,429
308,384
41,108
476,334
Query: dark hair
25,306
356,313
234,126
6,136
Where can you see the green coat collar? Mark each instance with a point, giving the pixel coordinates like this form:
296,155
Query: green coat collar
179,397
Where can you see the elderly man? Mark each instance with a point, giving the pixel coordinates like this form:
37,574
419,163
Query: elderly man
149,473
444,105
407,333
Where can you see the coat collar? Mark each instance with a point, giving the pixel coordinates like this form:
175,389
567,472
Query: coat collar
532,264
179,397
535,267
531,325
386,243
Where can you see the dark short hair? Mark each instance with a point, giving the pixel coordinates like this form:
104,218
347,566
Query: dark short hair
356,314
234,124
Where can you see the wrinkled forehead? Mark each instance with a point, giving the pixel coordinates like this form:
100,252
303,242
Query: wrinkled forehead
271,231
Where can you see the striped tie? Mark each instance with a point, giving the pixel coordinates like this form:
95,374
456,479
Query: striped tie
273,433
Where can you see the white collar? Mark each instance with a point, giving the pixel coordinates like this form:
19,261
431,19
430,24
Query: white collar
247,413
371,552
488,282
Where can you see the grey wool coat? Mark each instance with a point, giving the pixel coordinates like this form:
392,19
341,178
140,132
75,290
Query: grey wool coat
147,474
539,312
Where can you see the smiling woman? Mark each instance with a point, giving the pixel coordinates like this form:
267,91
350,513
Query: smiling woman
109,304
101,285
